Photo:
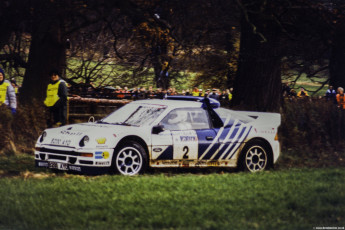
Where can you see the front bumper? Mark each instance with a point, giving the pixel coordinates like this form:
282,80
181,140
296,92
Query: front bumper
82,169
83,162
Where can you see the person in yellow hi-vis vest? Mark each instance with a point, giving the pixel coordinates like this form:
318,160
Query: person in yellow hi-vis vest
56,100
195,92
7,93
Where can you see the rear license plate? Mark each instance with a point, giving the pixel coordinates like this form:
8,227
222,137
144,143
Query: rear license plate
57,165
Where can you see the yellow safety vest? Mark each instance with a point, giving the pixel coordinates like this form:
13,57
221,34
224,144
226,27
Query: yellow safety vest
195,94
52,94
3,91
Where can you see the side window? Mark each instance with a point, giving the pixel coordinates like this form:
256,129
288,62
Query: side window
186,119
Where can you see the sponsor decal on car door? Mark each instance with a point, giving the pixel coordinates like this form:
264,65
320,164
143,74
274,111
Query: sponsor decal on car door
185,145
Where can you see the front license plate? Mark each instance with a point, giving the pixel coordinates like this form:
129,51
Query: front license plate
57,165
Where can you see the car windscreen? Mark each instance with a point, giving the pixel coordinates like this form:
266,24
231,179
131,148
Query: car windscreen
134,114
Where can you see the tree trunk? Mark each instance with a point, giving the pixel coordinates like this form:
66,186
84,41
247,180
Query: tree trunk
257,85
337,59
47,52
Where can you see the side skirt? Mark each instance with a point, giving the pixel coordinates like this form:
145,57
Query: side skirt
192,163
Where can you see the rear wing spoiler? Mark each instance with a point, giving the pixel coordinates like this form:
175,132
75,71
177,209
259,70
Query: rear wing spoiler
263,118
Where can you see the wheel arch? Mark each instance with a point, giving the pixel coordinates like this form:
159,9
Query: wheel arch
137,139
266,145
122,144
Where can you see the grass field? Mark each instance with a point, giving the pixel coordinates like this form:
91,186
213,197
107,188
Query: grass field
281,199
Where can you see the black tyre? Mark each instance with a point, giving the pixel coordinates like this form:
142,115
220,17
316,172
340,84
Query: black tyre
254,156
130,159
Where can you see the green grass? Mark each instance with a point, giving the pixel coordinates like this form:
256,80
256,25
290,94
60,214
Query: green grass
16,164
283,199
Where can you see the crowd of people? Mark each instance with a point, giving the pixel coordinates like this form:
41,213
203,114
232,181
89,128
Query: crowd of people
58,92
140,92
335,96
224,96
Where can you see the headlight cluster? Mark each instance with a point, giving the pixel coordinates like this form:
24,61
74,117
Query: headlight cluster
84,141
44,134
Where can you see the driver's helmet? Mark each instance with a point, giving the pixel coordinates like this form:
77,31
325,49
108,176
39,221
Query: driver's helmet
177,116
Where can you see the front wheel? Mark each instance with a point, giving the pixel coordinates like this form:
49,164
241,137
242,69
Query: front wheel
131,159
254,156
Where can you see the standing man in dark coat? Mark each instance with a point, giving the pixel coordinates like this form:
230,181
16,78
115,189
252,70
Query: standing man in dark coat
56,100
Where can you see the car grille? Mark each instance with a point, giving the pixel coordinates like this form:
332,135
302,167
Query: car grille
55,151
57,157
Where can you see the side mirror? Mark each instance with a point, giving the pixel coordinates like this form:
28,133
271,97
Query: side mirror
157,129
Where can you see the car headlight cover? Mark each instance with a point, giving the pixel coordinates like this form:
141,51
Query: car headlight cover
43,135
84,141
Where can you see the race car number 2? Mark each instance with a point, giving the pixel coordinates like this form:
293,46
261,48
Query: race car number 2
185,150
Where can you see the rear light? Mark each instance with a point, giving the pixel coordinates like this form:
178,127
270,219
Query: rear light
86,154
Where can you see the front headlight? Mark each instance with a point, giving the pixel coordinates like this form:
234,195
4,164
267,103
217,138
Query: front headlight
84,141
43,136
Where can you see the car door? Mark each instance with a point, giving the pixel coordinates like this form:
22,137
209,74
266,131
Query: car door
162,145
192,135
184,137
177,140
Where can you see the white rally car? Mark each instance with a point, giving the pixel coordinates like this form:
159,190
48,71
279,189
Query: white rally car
156,133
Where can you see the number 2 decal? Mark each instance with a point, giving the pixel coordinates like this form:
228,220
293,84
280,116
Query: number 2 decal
185,150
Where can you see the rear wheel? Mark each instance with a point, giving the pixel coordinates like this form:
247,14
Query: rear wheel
131,159
254,156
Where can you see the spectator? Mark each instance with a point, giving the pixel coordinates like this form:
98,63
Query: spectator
207,93
201,94
127,93
150,92
160,94
286,90
14,85
56,100
195,92
173,92
293,94
331,94
302,93
119,92
229,92
135,93
341,98
7,93
224,98
214,94
142,93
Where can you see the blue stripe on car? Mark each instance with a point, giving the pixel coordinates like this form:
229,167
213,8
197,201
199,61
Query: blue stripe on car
233,143
239,144
167,154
